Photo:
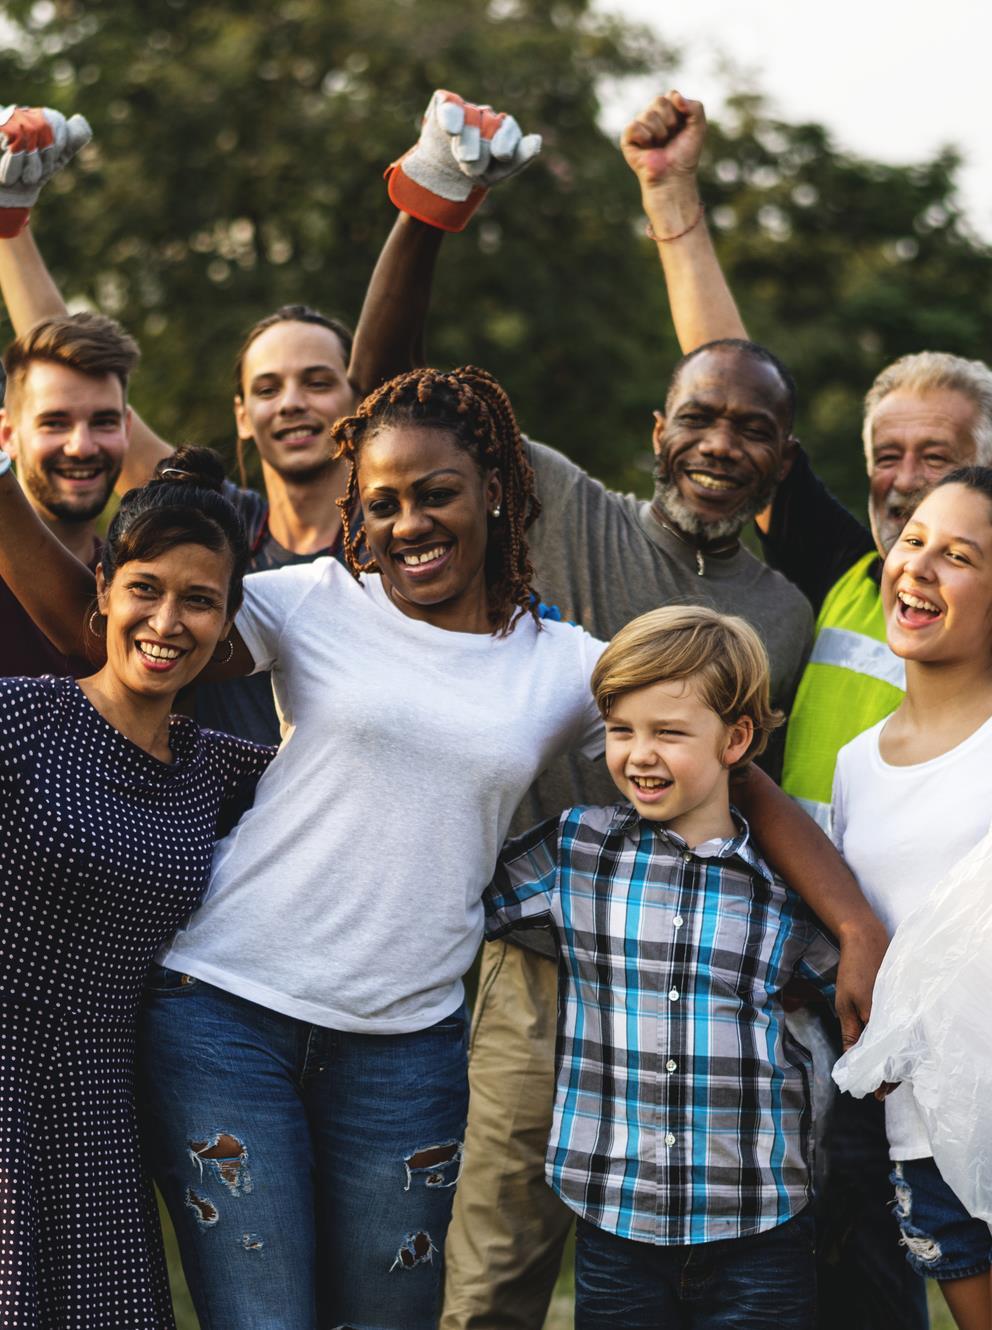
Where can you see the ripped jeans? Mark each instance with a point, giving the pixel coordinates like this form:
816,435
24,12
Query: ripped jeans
309,1173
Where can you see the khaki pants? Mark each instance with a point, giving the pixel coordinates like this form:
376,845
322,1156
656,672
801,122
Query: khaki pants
505,1242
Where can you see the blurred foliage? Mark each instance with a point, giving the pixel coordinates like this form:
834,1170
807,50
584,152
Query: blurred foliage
237,165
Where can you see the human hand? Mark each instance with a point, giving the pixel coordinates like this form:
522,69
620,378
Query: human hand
36,142
662,144
462,151
861,951
884,1090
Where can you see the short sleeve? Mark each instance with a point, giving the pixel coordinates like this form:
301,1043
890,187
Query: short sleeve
592,740
524,886
27,708
240,765
578,512
271,600
819,961
838,816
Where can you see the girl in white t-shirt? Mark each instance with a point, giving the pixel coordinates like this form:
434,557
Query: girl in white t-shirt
910,801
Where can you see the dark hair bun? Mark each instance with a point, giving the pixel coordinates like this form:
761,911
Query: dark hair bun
189,465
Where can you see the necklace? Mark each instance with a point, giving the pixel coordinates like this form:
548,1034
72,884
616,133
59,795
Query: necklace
726,548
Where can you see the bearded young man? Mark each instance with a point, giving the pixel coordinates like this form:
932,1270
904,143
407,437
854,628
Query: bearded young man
66,424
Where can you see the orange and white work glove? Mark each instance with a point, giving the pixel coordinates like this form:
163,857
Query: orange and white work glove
35,143
463,149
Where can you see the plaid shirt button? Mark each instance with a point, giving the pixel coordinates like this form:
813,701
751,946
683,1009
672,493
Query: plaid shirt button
671,1064
673,995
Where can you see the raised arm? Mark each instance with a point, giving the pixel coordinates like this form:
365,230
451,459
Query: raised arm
662,147
28,288
389,338
59,592
56,589
463,150
797,849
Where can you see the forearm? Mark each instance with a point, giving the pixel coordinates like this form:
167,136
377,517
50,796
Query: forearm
389,338
28,289
53,586
702,306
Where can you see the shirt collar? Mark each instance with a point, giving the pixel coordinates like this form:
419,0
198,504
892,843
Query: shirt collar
629,822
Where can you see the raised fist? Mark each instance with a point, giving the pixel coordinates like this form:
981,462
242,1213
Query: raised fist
35,142
463,149
665,140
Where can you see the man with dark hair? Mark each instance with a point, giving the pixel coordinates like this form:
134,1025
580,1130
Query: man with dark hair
66,423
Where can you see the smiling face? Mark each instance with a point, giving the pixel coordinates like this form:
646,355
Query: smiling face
68,433
427,507
721,449
937,580
294,387
669,754
164,617
915,439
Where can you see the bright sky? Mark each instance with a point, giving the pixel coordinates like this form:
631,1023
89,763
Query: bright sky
893,79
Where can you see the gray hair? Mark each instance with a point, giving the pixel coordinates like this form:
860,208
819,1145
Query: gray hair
928,371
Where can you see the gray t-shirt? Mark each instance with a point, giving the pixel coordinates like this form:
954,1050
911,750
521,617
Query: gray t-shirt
603,558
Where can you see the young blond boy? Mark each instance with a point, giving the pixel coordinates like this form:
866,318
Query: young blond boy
682,1106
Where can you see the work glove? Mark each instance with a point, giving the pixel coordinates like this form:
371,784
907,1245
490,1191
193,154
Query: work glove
463,149
35,142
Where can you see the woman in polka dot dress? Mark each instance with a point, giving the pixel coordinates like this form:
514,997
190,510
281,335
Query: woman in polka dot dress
110,807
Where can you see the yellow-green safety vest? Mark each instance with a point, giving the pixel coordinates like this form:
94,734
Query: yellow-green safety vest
851,682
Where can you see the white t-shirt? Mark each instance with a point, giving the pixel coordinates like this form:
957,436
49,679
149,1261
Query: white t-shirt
349,895
902,829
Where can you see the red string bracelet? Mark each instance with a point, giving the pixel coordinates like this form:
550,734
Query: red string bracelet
649,230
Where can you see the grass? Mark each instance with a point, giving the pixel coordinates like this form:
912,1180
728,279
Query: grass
559,1314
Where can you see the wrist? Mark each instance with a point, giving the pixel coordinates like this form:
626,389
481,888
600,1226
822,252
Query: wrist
671,206
859,926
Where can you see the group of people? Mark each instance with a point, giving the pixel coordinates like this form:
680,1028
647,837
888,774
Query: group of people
416,612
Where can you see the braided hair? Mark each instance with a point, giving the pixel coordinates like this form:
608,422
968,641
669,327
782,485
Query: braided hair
470,406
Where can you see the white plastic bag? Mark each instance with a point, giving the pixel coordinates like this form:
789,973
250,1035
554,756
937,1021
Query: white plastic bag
931,1025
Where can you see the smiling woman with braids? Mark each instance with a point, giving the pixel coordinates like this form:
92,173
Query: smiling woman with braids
304,1035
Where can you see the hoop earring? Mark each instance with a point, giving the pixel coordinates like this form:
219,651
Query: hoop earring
93,615
222,660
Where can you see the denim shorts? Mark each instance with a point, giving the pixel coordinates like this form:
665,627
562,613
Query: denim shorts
941,1238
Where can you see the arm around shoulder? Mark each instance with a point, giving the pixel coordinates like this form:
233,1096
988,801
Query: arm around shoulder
800,852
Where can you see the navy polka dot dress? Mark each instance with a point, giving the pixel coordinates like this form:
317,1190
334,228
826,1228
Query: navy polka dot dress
104,851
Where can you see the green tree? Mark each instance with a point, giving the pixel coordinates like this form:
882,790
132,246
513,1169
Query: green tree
237,165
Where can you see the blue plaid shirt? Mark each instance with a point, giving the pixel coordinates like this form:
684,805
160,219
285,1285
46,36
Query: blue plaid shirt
682,1107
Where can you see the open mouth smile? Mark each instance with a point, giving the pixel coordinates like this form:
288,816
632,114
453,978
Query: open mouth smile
712,481
423,562
158,656
650,789
298,433
79,474
915,611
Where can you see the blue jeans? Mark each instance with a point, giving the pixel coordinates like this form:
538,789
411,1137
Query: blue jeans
309,1173
766,1281
864,1280
942,1239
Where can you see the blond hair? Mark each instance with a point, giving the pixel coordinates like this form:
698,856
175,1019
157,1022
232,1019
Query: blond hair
931,371
88,343
720,653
